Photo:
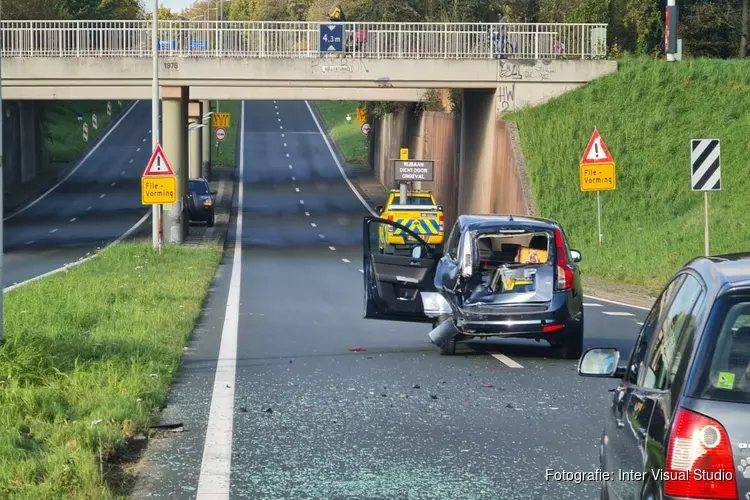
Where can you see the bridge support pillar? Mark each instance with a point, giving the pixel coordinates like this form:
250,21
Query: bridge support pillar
174,140
29,146
195,139
206,138
476,153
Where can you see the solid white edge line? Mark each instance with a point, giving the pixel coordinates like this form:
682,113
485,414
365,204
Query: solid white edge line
608,301
369,209
617,313
79,165
336,160
216,465
506,360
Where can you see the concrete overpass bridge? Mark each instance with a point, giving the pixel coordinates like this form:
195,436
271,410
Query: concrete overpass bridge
247,60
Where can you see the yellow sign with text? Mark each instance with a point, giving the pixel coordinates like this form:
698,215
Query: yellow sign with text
403,154
159,190
221,120
361,115
597,177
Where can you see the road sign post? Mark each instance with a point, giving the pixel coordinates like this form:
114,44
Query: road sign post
705,175
365,129
221,134
158,186
332,37
596,172
157,215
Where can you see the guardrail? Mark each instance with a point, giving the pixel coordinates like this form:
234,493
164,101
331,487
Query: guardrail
302,39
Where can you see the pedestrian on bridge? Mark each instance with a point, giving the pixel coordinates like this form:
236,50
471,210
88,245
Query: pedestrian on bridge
499,35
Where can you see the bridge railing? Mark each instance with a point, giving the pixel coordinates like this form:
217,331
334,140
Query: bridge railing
265,39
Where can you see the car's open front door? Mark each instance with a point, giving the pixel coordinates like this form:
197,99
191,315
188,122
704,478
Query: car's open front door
395,276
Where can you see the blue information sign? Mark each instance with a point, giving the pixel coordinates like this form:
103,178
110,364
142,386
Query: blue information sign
167,44
332,37
198,45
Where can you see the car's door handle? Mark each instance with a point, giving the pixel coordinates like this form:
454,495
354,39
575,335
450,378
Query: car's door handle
414,263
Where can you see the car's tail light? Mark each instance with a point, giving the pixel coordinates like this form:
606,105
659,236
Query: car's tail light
441,221
699,459
564,271
390,228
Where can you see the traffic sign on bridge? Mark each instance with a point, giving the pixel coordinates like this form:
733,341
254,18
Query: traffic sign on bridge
332,37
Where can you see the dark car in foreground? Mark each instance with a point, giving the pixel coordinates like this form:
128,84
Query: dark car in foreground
679,423
499,276
200,201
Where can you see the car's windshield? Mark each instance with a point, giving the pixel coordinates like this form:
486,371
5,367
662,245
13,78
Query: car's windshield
198,187
413,200
727,376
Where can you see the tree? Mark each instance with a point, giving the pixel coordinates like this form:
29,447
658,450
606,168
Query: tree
31,10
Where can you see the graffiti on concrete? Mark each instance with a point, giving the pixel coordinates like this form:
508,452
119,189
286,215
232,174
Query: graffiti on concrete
506,95
510,70
540,70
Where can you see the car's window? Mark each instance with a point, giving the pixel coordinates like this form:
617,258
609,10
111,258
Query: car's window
451,247
413,200
386,238
653,320
655,372
198,187
727,376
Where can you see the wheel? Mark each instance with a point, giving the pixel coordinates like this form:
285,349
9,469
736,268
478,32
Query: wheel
210,222
572,346
449,348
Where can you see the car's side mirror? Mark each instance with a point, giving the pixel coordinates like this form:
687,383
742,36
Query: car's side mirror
214,192
417,252
599,362
577,257
379,209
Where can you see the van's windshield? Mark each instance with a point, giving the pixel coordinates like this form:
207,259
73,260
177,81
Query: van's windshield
727,376
413,200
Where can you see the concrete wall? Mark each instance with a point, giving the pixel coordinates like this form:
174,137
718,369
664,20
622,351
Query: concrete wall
511,189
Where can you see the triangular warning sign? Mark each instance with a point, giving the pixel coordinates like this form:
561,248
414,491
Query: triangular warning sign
596,151
158,164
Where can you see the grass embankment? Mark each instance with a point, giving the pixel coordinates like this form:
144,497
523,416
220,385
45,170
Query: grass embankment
87,361
64,132
647,113
347,135
226,152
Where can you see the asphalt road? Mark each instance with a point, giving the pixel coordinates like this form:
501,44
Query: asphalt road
91,208
294,414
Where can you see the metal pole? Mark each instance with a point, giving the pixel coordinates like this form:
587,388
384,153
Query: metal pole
402,194
705,222
2,194
599,217
156,210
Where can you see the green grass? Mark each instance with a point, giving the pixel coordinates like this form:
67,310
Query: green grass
647,113
226,152
63,131
88,358
347,135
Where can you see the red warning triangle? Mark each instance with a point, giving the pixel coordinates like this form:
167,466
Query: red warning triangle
596,151
158,164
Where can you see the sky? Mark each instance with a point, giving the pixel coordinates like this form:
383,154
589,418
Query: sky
175,5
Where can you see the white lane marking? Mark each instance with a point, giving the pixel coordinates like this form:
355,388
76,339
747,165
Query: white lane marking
287,155
277,111
273,101
89,208
336,160
29,242
131,161
617,313
113,184
307,214
149,131
137,149
279,119
362,271
639,323
322,237
290,165
294,178
79,165
285,145
282,135
346,261
617,303
216,465
53,230
297,189
280,127
122,173
102,196
333,249
506,361
301,202
591,304
313,224
72,220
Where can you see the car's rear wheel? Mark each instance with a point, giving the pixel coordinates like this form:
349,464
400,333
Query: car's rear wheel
571,346
210,222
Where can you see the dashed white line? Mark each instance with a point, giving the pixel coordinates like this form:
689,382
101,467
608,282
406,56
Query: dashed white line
294,178
287,155
639,323
102,196
277,111
296,189
131,161
144,139
122,173
506,361
282,135
113,184
346,261
307,214
53,230
322,237
591,304
285,144
279,119
290,166
89,208
137,149
333,249
313,224
72,220
282,128
301,202
362,271
29,242
617,313
149,131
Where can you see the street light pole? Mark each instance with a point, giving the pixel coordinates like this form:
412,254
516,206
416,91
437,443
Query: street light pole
2,194
156,210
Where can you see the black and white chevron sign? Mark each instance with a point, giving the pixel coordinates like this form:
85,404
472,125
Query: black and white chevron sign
705,164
